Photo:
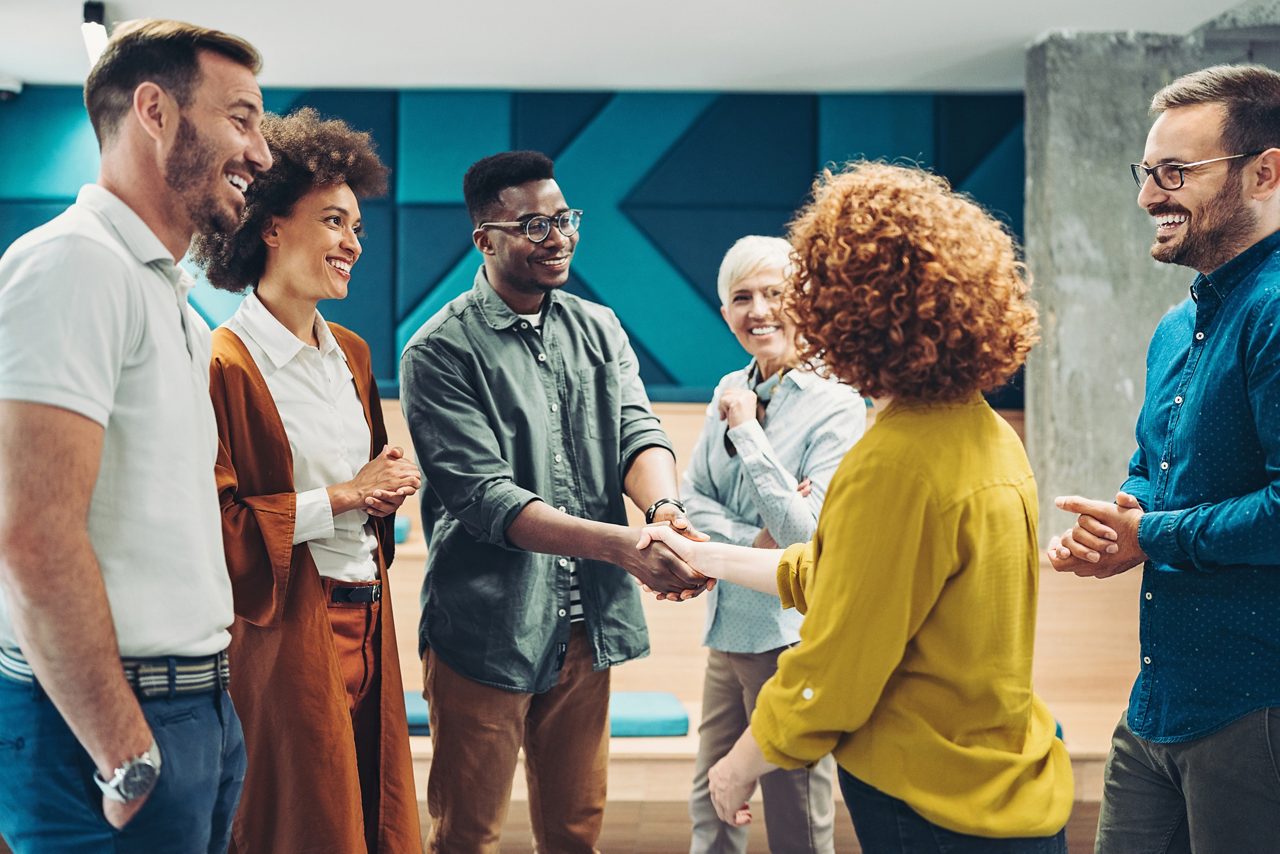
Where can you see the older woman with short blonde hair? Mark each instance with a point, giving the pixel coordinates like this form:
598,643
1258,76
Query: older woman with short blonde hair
773,435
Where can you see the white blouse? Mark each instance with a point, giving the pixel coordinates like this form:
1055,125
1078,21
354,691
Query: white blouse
328,435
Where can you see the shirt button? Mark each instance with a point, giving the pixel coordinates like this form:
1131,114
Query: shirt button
1178,399
542,357
564,562
1148,597
807,693
561,612
555,407
557,458
524,326
1146,659
1164,465
1199,336
561,508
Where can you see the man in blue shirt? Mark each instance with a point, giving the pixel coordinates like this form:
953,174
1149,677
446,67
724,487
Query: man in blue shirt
1193,764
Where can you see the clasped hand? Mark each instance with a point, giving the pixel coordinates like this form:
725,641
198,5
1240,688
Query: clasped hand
1104,540
384,482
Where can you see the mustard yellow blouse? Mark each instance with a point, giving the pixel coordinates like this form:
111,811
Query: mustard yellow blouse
914,662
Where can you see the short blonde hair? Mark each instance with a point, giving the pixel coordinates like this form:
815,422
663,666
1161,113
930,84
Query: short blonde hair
749,255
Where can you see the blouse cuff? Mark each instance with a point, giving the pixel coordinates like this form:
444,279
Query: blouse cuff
314,516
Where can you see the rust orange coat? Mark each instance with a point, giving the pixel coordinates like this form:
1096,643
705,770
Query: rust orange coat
301,791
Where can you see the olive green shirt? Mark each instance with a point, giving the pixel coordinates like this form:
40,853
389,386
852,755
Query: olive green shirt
502,415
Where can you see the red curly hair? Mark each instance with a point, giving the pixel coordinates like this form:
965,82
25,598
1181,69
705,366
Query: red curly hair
903,287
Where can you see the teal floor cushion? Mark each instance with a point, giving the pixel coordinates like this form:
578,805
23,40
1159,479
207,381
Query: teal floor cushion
632,714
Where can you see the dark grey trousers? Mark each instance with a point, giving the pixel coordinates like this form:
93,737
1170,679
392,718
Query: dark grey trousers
1219,794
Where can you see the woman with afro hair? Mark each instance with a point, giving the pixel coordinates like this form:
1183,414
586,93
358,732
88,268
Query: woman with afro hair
920,584
309,489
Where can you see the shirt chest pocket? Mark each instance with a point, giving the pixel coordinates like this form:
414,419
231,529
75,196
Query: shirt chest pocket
596,399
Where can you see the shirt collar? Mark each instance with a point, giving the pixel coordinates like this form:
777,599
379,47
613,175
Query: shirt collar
494,308
134,234
1238,268
276,341
801,377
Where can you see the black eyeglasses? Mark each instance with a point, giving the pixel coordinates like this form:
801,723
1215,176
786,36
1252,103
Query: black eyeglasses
1169,176
538,228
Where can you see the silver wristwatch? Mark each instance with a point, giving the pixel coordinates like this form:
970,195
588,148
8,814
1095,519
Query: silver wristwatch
134,779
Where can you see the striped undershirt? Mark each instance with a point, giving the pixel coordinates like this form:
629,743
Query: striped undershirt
575,592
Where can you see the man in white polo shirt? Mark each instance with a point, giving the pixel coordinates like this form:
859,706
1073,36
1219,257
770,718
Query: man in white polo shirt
114,595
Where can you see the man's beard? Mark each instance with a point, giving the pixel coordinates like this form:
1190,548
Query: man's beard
190,171
1212,237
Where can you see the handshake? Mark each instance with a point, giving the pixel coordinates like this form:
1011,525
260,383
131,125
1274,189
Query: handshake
663,561
674,561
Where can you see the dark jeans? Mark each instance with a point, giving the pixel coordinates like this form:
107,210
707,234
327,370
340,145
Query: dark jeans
49,802
887,825
1219,793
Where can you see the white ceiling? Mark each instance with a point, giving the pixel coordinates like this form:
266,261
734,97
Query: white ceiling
761,45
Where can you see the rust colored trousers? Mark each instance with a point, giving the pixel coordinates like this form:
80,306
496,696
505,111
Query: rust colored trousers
358,638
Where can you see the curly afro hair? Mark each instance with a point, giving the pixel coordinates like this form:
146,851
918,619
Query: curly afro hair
309,152
903,287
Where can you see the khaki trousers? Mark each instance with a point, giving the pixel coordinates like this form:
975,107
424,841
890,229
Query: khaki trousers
799,809
476,734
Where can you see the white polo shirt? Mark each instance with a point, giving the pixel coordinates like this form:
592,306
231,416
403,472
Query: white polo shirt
94,319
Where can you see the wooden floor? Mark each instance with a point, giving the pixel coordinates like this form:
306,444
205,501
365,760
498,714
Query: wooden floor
663,828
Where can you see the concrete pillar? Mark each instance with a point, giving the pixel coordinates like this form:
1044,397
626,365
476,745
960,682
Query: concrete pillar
1100,293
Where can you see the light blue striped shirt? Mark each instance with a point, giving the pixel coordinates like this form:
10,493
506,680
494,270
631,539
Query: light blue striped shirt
811,422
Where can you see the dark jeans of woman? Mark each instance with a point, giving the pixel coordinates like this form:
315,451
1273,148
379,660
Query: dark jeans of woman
887,825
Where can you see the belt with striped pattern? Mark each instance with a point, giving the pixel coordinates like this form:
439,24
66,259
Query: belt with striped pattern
150,677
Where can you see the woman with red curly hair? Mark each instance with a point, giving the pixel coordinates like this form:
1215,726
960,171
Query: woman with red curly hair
309,489
919,586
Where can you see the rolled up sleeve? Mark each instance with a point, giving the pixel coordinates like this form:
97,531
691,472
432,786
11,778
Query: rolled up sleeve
459,455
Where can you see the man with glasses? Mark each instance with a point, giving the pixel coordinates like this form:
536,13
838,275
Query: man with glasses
530,422
1193,762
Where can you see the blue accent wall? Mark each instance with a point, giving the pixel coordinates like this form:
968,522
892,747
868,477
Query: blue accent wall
667,181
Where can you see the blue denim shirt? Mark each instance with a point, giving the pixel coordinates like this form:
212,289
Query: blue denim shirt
1207,471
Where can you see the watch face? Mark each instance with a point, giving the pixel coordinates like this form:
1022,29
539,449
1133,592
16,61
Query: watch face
138,780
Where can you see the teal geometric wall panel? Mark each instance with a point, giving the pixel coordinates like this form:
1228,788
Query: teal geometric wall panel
48,145
431,241
372,110
548,121
615,259
875,127
996,181
667,181
694,240
17,218
441,134
744,151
